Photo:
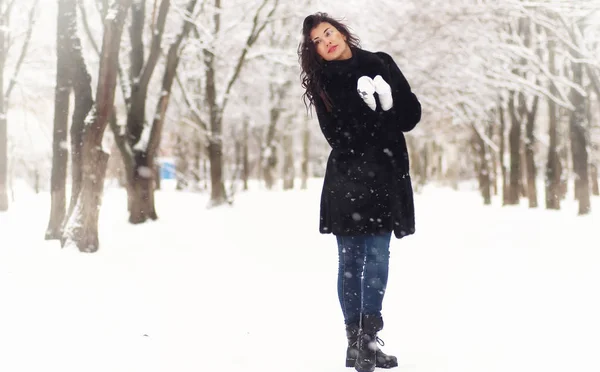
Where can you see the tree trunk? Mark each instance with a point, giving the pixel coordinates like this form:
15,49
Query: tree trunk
505,187
140,166
515,153
206,174
218,196
289,171
81,228
269,158
157,178
3,111
553,176
305,154
215,155
482,167
198,166
145,149
82,91
60,153
593,169
530,155
181,163
579,143
594,175
141,190
492,158
245,154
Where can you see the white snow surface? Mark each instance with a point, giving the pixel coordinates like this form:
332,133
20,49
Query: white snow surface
253,288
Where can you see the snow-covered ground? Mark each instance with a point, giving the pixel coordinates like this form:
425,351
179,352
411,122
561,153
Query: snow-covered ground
253,288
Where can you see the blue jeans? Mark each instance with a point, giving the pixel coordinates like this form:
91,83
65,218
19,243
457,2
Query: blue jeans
362,274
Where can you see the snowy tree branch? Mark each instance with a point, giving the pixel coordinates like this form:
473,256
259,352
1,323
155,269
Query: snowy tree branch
24,50
257,29
193,109
155,47
168,77
86,27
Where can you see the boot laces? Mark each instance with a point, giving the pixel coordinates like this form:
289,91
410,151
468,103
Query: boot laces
380,341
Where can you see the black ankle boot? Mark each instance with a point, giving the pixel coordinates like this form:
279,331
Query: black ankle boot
368,354
352,350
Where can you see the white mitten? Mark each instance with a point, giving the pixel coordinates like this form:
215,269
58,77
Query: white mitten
384,91
366,89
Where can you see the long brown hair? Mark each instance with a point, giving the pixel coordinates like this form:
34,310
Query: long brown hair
310,61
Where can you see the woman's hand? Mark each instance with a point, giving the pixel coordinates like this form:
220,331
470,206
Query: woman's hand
384,91
367,87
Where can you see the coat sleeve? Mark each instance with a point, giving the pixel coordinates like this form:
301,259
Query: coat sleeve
407,108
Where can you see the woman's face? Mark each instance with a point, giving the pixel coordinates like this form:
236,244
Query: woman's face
329,42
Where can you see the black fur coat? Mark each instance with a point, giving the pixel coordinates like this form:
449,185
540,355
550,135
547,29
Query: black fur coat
367,187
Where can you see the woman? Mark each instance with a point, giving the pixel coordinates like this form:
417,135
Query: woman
363,104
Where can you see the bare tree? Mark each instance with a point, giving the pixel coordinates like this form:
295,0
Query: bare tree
217,103
577,125
277,95
66,33
139,142
514,141
81,228
504,171
5,11
482,164
553,169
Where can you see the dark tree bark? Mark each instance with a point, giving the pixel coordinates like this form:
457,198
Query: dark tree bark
594,176
245,154
595,84
198,152
563,155
577,126
81,228
289,170
514,139
482,166
269,152
138,148
530,154
593,144
553,175
82,91
140,180
142,206
492,158
66,23
505,186
218,196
